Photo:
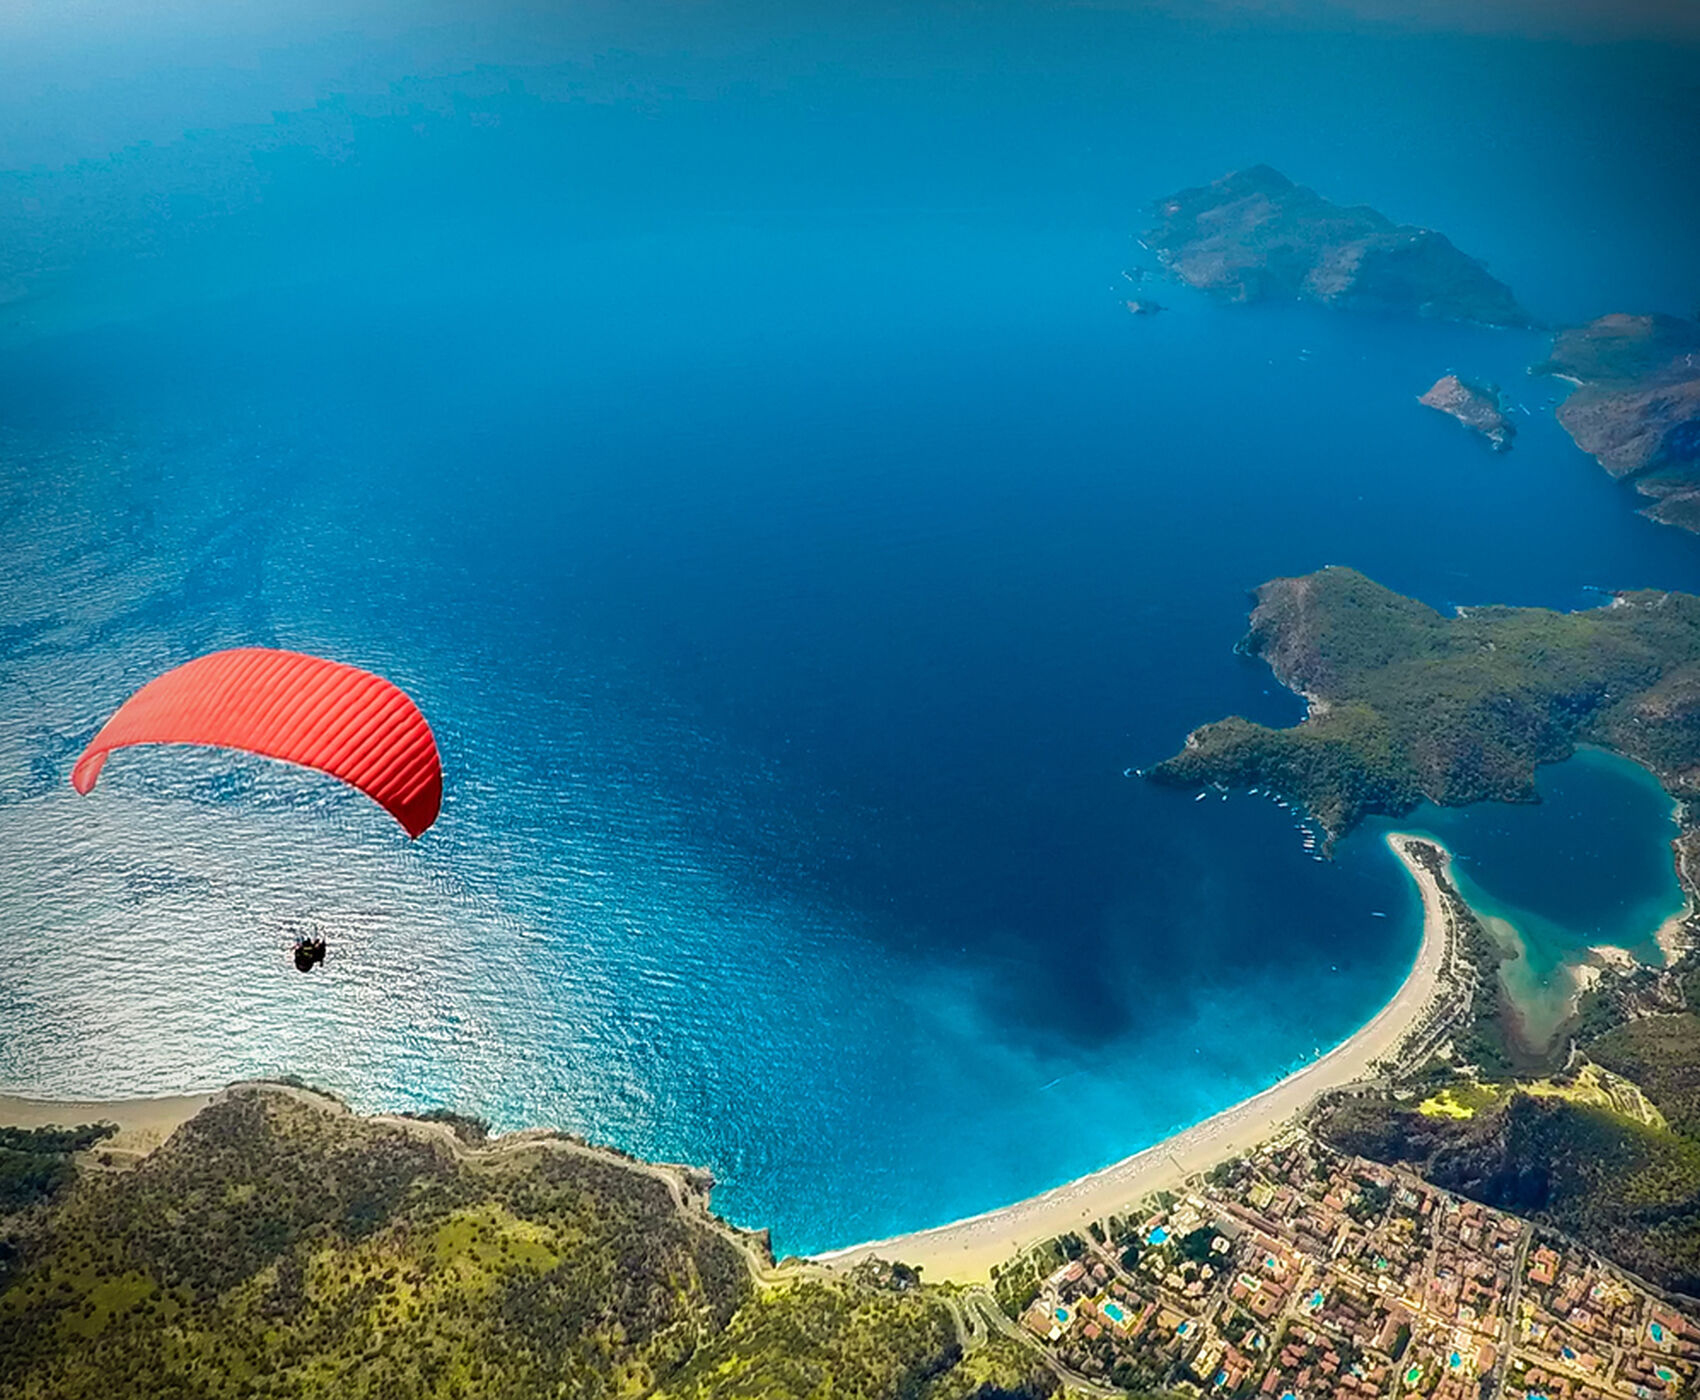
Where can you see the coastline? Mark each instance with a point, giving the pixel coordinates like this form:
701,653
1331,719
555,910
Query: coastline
965,1251
1674,935
143,1124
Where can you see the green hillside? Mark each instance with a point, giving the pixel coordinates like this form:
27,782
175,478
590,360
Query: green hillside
279,1246
1553,1148
1407,703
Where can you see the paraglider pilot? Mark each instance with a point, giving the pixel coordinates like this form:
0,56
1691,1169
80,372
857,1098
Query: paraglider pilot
309,953
300,709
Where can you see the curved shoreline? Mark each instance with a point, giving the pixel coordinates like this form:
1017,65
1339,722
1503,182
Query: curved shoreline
143,1124
965,1251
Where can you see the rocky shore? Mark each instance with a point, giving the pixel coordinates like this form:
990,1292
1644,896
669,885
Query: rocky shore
1476,406
1636,409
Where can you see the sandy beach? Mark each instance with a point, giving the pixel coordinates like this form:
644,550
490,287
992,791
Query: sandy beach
143,1124
965,1251
1674,935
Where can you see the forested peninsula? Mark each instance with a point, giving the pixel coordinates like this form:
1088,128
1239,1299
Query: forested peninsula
1407,703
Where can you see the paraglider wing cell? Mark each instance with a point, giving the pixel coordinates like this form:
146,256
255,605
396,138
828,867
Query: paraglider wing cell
285,705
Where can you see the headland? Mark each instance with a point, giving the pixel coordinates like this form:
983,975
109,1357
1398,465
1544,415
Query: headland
1636,409
1407,703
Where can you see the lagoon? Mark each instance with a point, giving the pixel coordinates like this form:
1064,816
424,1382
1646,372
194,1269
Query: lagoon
1587,865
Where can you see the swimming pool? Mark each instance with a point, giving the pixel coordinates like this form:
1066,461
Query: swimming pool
1114,1312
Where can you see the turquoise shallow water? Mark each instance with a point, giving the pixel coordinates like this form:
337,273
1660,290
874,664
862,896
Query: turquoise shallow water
1587,865
744,456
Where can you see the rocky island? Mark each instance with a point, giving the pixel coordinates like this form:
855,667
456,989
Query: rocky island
1636,409
1254,235
1476,406
1407,703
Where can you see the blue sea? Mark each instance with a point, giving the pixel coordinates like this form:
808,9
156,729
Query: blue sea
731,432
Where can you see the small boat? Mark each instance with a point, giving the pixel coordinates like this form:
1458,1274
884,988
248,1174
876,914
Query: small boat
1201,796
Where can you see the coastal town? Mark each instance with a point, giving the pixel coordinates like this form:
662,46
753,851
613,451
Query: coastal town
1295,1273
1253,1256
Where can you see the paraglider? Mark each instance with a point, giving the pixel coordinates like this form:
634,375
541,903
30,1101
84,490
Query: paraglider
309,953
305,710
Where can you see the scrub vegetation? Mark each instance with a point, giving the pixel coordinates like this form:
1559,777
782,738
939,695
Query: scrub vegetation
1407,703
1607,1149
279,1246
35,1163
1662,1055
824,1339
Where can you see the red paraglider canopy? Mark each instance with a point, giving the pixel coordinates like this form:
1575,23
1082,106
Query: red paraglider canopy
282,704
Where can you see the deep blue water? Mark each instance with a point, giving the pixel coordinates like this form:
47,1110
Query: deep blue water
747,463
